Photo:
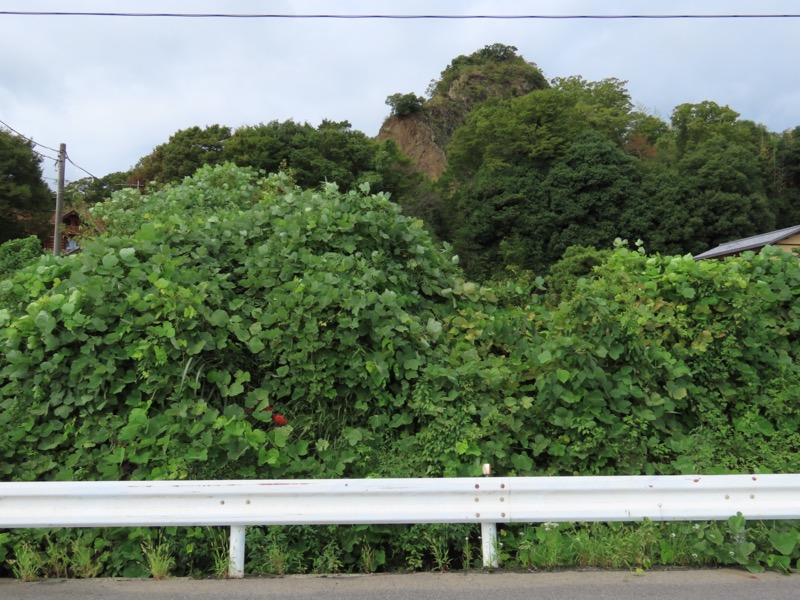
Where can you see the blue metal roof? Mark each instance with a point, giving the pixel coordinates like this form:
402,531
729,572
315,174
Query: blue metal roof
750,243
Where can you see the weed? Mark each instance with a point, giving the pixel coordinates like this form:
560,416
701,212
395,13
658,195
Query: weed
437,545
466,554
268,550
220,552
328,560
28,563
367,560
159,559
57,561
82,562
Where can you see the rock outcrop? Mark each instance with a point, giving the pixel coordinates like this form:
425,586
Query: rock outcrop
415,138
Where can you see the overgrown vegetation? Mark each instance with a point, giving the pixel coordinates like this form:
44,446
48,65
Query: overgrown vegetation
237,326
229,324
16,253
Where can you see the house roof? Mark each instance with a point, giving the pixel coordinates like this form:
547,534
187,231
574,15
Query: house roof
64,215
750,243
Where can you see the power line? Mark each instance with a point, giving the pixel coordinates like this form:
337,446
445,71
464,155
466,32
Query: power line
40,154
80,167
25,137
378,16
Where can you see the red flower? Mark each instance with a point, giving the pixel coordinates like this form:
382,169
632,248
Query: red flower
279,420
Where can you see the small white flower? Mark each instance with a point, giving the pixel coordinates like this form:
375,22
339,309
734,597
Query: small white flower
694,555
672,535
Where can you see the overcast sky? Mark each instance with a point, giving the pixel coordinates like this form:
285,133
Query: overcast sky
113,88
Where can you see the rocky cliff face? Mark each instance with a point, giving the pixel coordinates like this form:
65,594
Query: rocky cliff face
415,138
495,72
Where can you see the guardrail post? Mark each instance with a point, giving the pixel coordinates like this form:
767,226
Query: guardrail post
488,533
489,544
236,566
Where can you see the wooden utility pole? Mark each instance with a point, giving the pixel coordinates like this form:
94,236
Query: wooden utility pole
62,159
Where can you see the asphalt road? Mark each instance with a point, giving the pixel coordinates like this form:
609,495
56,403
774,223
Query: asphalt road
569,585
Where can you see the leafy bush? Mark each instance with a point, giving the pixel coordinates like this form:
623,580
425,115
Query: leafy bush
15,254
227,326
654,365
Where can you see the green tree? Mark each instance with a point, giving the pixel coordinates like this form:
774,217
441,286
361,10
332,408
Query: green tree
404,105
530,176
268,147
90,190
495,72
661,213
186,151
786,173
604,106
332,152
708,179
25,200
498,63
501,219
536,129
728,191
695,123
589,191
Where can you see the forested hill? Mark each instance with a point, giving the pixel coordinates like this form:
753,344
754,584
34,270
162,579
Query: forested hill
513,169
423,128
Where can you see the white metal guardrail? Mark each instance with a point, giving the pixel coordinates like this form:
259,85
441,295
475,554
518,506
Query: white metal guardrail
487,501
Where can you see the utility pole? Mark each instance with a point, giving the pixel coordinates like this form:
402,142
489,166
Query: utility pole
62,159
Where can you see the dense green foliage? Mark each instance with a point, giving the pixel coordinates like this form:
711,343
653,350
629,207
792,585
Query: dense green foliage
15,254
186,151
216,299
332,153
534,166
576,164
25,200
239,327
230,324
784,158
403,105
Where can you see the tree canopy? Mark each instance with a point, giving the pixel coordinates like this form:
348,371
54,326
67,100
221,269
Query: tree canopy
533,166
25,199
583,166
332,152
